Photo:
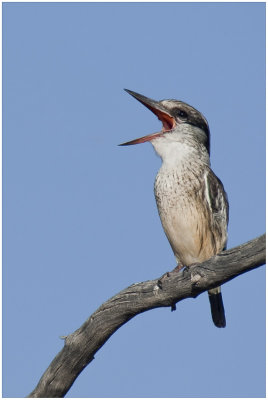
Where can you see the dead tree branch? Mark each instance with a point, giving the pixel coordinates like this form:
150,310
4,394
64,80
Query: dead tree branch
80,346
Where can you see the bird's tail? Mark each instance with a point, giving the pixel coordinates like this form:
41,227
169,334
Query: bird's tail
217,308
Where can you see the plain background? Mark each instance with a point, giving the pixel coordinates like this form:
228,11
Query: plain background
79,216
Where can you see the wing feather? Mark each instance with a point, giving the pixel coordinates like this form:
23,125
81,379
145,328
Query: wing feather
217,200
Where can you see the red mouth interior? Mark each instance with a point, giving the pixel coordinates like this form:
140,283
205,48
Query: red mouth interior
167,121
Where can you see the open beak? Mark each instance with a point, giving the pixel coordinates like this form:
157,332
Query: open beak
162,114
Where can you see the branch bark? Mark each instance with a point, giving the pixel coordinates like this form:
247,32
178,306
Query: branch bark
80,346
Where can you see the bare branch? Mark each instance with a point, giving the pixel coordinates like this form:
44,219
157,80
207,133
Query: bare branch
80,346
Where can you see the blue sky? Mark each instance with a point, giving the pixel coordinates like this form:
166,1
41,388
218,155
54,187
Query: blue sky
79,216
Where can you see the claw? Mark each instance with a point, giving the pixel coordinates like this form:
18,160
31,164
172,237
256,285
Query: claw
160,280
167,275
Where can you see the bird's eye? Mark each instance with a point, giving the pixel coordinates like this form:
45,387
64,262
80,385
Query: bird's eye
181,114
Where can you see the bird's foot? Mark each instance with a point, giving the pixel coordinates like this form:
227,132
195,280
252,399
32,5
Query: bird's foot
178,268
167,275
185,269
160,280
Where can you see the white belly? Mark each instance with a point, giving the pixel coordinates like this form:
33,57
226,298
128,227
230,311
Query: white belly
184,217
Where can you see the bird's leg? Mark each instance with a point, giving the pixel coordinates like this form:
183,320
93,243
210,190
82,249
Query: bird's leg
167,275
178,268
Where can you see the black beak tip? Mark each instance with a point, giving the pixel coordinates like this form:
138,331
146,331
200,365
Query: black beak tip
131,92
136,95
125,144
146,101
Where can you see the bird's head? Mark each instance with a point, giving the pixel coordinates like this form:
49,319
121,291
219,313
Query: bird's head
181,123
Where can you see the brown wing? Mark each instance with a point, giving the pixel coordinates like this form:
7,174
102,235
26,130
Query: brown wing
217,200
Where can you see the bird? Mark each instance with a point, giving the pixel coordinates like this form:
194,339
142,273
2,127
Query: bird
191,200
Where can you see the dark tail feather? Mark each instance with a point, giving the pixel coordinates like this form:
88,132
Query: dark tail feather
217,310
